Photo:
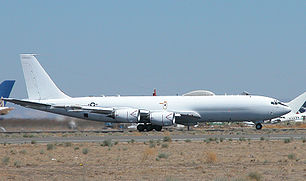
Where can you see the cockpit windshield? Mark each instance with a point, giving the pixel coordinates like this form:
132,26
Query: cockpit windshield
276,102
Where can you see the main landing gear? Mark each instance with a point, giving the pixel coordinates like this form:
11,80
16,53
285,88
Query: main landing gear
148,127
258,126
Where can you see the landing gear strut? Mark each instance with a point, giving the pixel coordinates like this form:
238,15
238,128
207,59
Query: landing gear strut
258,126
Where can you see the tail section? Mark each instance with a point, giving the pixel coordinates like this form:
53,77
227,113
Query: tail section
39,84
297,103
5,90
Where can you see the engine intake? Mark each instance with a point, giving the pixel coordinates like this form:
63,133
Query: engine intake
162,118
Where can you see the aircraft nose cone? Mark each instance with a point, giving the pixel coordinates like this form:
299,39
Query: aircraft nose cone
286,110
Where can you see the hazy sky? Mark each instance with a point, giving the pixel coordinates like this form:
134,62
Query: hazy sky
131,47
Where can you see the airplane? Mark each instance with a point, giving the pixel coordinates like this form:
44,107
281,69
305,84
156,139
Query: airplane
150,112
5,90
295,105
296,118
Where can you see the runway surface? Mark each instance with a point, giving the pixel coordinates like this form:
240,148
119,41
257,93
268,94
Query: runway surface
126,138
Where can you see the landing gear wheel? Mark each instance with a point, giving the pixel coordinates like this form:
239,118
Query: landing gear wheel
258,126
158,128
140,127
149,127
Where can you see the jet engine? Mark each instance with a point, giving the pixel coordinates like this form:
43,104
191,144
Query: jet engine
126,115
162,118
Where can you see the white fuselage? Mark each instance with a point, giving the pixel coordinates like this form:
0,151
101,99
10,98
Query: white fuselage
290,117
210,108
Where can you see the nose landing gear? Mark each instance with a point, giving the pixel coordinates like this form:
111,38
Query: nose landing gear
258,126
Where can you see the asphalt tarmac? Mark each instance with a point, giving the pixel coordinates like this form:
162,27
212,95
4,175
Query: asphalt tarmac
127,138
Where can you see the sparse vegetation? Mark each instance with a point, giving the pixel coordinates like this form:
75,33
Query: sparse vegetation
17,164
5,160
187,140
163,155
23,152
262,138
241,139
292,156
50,146
116,143
84,151
255,176
68,144
41,152
167,139
76,148
107,142
152,145
212,139
165,145
287,140
131,141
28,136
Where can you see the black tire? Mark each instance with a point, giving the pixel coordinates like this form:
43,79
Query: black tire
140,127
258,126
149,127
158,128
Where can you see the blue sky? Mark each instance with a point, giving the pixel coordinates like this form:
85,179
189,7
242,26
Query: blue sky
131,47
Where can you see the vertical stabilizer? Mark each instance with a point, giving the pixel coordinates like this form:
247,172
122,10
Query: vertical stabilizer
5,90
297,103
39,84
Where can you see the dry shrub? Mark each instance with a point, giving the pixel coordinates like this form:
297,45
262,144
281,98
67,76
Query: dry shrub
148,152
302,125
255,176
211,157
275,126
137,133
166,133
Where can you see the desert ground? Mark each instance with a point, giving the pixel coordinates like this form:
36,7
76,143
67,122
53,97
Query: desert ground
165,159
156,160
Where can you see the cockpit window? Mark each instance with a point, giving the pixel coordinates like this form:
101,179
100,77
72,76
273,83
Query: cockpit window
275,102
282,104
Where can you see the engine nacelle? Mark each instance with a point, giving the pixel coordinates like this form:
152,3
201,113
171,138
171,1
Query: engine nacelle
162,118
127,115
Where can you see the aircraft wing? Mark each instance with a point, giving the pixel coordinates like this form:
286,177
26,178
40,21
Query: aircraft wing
188,114
71,108
187,118
26,103
79,108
